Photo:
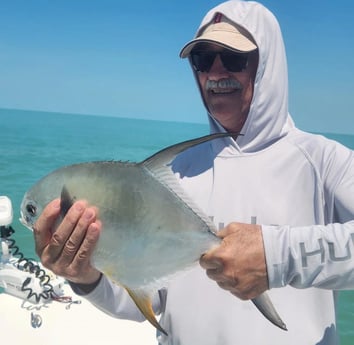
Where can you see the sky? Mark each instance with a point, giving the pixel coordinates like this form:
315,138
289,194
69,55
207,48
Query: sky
121,58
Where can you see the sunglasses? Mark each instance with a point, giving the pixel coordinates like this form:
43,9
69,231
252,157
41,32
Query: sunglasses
233,62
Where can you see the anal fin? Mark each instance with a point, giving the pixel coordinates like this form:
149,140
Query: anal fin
143,302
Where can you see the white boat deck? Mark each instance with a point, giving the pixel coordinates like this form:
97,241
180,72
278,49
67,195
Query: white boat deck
69,324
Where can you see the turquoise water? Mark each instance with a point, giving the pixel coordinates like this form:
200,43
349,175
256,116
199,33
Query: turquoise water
34,143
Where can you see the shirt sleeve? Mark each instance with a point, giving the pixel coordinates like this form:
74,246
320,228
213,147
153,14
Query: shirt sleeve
115,301
316,256
320,255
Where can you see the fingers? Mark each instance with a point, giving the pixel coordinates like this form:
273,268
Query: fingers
87,247
62,234
67,249
209,261
214,266
42,230
230,229
238,263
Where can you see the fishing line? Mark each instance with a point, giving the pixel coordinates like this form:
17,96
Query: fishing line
28,265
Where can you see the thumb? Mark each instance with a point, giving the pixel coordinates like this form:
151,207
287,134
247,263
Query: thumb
230,229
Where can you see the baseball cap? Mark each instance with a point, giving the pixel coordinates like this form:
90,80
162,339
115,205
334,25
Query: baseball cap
223,32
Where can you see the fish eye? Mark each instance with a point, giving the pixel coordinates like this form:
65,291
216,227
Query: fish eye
31,209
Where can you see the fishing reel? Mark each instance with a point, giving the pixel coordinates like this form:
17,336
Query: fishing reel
6,217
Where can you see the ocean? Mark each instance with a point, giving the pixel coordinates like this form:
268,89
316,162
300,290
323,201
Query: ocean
34,143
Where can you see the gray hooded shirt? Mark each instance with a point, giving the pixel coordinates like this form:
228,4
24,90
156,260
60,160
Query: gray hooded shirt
298,186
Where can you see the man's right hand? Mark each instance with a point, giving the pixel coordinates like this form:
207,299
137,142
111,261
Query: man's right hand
66,249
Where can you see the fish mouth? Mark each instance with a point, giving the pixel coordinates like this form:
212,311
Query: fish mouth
26,222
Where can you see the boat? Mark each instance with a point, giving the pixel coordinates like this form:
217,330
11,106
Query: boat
38,307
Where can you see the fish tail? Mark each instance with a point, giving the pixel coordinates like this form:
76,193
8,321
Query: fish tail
143,301
265,306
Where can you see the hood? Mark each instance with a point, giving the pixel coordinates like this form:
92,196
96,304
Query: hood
268,119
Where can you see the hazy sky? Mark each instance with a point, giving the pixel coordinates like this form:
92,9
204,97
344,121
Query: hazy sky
120,58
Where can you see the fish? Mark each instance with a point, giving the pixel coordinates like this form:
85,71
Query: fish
151,228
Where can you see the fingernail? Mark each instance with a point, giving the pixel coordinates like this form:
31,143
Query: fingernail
88,214
56,203
79,207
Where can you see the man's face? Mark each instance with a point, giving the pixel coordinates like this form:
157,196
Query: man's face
227,90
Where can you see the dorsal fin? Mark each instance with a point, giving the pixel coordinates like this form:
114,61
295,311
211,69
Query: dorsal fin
167,154
157,166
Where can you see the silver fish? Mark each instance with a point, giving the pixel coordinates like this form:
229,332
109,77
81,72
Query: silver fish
151,229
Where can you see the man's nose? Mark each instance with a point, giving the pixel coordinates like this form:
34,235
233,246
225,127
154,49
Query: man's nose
217,67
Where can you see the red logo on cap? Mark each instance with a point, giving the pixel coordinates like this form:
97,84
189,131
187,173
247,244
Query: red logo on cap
217,17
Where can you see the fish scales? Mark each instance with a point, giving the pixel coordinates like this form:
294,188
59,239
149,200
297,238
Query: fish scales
145,224
146,227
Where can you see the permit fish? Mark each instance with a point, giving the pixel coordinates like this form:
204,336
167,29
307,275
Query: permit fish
151,229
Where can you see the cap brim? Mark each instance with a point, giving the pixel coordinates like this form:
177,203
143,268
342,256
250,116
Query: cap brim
233,41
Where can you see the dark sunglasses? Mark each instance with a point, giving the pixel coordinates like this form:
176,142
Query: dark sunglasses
233,62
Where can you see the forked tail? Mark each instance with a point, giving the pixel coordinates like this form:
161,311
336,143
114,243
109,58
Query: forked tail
265,306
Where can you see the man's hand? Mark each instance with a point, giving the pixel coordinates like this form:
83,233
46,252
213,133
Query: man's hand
67,250
238,263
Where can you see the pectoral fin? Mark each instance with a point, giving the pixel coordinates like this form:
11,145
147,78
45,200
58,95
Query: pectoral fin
265,306
143,302
66,201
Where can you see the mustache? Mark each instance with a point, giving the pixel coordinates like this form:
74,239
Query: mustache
228,83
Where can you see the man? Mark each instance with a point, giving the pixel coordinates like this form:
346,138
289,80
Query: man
300,187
